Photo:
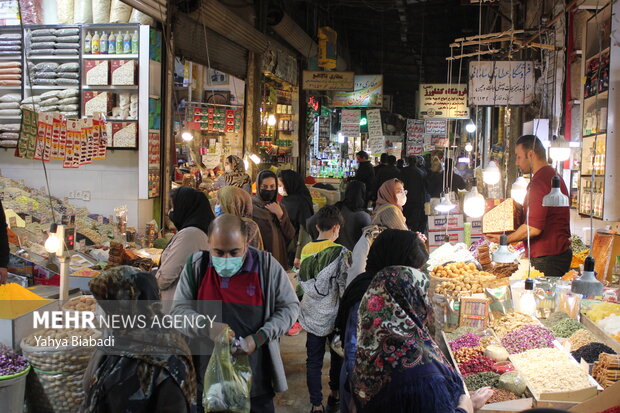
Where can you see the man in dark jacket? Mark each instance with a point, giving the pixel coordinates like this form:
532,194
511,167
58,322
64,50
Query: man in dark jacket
389,171
414,179
365,173
383,161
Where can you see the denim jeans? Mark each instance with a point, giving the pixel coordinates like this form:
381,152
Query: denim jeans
315,350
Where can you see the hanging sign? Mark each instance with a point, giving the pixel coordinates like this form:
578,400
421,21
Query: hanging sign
443,101
376,145
367,92
494,83
415,137
317,80
436,127
328,52
375,127
350,123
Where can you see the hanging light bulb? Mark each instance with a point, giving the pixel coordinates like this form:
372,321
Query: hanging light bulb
527,301
246,164
555,197
470,127
255,158
186,135
474,204
491,174
52,244
340,137
519,190
271,120
445,205
559,150
469,147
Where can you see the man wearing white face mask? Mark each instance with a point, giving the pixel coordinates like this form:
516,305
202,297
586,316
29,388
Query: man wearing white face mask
258,303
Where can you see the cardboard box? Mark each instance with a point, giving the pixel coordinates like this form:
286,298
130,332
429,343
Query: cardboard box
437,238
123,72
97,102
440,222
123,134
96,72
476,225
610,397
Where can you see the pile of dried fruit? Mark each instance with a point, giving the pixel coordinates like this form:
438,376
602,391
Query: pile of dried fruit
501,395
465,354
478,365
510,322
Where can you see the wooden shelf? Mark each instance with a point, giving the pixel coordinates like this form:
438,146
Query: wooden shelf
602,52
109,56
601,95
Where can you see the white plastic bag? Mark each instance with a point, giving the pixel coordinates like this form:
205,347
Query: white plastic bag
120,12
64,10
101,11
82,11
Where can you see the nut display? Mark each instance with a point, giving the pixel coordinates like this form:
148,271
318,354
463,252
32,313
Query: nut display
509,322
581,338
501,395
82,303
549,370
56,385
454,270
465,354
470,283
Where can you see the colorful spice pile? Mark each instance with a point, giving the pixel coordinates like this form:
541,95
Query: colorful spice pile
16,300
566,328
501,395
466,340
581,338
479,380
602,310
549,370
510,322
526,338
553,319
590,352
606,371
11,362
14,291
459,332
477,365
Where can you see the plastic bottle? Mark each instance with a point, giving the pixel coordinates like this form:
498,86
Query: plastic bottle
87,41
134,42
119,43
103,43
112,43
127,43
94,43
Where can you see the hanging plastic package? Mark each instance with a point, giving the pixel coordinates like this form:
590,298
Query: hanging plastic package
101,11
83,11
228,378
138,17
31,11
120,12
64,10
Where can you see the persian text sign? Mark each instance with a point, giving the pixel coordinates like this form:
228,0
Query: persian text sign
436,127
350,123
367,92
501,83
375,127
443,101
317,80
415,137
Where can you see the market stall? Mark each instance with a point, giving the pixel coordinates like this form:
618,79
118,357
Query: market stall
529,337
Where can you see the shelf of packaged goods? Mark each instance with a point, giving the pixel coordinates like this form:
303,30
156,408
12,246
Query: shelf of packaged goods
54,57
602,52
109,56
52,87
108,87
601,95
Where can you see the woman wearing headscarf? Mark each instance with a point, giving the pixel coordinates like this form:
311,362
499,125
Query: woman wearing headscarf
272,218
234,175
353,210
191,215
155,373
391,248
398,366
236,201
386,215
298,202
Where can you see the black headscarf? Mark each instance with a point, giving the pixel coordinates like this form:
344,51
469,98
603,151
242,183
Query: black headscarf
298,201
354,196
262,175
392,247
191,208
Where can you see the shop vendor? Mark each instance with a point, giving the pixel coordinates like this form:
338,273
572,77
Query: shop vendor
549,227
